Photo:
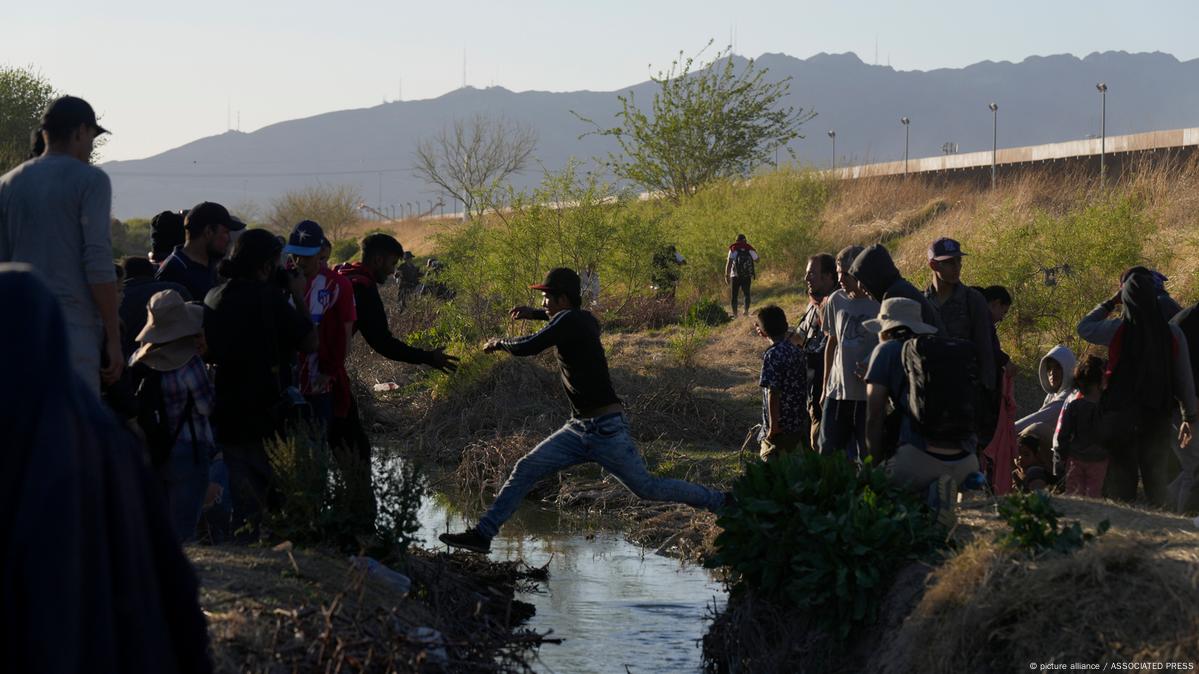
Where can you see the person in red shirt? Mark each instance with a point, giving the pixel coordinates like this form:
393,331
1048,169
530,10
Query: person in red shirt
329,300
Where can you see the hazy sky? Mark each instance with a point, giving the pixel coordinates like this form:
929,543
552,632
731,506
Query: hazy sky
162,73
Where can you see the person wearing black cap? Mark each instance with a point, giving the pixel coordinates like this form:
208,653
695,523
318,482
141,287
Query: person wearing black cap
597,430
207,227
166,234
55,213
380,255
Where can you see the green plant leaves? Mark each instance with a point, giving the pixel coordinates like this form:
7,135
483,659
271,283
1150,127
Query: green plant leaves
820,534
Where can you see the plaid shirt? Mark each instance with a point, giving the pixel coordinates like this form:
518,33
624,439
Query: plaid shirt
176,385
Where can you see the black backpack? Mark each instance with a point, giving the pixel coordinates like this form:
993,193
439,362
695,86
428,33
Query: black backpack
942,375
743,264
152,415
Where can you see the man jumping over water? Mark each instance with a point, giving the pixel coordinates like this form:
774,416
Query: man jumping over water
597,430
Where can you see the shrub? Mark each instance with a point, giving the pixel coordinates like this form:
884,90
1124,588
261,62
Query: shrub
709,312
1035,526
323,502
344,250
816,533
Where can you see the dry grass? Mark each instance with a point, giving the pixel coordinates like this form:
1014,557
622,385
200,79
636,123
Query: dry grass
1132,594
417,235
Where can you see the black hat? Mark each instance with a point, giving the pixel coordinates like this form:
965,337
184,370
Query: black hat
305,239
560,281
206,214
945,248
68,112
166,230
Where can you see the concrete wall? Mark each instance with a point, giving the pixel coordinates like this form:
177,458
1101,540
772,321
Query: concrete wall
1118,149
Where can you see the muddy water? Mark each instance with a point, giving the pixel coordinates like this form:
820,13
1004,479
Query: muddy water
615,604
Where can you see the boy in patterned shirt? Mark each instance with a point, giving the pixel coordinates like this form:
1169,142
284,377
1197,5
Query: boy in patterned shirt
784,388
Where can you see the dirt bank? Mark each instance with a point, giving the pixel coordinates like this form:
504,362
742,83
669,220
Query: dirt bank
279,610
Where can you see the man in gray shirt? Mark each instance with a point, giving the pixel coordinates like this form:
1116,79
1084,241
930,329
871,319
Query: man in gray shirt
54,215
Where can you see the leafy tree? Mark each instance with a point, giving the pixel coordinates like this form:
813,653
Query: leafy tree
719,120
24,95
472,158
334,207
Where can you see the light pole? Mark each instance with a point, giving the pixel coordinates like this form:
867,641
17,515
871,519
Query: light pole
994,138
410,210
1102,87
833,135
906,127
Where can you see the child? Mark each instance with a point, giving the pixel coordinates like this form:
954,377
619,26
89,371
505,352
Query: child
784,388
172,344
1079,436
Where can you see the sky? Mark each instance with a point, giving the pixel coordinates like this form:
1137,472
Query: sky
162,73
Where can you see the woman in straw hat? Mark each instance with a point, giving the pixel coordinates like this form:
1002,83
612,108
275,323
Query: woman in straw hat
172,344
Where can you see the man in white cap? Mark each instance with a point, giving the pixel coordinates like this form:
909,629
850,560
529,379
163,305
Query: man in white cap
935,448
178,397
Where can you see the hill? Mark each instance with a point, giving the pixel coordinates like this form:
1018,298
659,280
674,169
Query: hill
1041,99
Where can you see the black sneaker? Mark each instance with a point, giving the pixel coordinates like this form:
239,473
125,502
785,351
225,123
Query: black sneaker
470,539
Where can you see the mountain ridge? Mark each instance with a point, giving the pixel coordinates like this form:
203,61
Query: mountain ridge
1042,98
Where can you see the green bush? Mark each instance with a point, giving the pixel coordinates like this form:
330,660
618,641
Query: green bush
1036,529
344,250
816,533
1057,267
709,312
322,501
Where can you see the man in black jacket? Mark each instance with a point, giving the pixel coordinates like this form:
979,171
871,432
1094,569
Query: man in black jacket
597,430
380,255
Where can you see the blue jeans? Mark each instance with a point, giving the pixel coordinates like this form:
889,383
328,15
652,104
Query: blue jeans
604,440
185,477
843,428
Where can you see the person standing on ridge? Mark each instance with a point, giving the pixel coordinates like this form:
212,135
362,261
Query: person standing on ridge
597,430
739,270
55,215
843,413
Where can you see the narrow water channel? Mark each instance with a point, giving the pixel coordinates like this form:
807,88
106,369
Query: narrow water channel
616,605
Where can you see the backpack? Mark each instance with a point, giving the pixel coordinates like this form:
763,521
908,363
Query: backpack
942,375
743,264
152,416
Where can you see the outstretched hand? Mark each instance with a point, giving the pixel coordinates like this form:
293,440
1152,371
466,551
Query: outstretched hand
492,345
522,313
440,360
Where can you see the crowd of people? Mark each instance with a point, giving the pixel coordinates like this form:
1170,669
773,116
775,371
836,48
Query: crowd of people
224,336
918,381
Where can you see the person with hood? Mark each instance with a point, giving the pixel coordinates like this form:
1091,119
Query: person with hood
1148,372
876,271
1034,455
93,579
380,255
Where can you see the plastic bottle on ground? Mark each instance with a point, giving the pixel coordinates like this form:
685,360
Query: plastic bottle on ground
393,579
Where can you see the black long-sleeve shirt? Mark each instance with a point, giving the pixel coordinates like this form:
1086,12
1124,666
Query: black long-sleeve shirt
581,359
372,323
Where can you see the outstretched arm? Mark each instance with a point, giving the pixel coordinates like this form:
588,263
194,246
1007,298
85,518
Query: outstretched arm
372,323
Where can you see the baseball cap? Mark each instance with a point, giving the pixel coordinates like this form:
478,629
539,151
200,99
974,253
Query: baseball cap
560,281
945,248
206,214
236,224
68,112
305,239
